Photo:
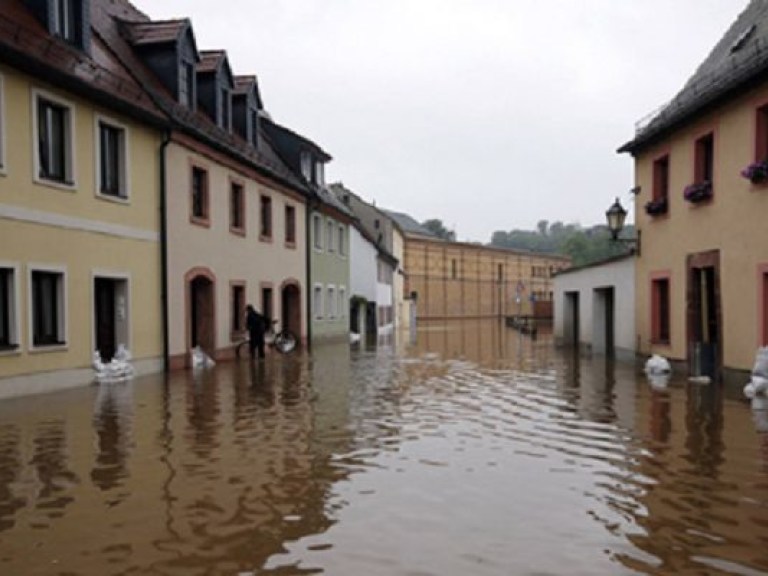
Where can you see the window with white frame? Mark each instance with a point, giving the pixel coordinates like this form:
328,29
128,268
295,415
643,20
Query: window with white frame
64,19
317,301
342,307
2,125
111,159
306,166
187,84
319,174
47,307
329,237
317,232
9,313
55,139
342,241
330,308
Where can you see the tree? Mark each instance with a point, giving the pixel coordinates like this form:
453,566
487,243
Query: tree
437,227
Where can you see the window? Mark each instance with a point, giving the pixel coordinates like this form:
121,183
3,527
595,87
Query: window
225,112
330,228
317,301
290,225
266,217
2,125
661,178
453,268
306,166
319,174
500,272
342,308
267,302
199,195
64,19
704,159
9,332
54,141
317,232
330,307
112,175
237,301
236,208
254,127
47,308
342,242
660,311
187,85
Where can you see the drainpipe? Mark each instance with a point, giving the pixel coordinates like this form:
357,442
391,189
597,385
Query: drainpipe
308,243
164,250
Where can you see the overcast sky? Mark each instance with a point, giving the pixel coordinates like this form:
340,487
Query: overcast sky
487,114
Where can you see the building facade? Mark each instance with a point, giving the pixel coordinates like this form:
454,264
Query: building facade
595,307
464,280
80,226
702,273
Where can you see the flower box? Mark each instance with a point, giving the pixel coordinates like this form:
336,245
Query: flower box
698,192
757,172
656,207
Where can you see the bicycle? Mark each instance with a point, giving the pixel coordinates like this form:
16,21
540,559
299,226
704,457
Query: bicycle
284,341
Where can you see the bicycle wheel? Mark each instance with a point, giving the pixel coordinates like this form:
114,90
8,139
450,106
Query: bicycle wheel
285,341
241,349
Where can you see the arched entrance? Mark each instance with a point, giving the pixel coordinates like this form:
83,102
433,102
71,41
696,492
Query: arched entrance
291,308
201,314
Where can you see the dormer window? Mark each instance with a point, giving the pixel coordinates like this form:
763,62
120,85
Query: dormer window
254,128
306,166
225,111
187,84
319,173
63,24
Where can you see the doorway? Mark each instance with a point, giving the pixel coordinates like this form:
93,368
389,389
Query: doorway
603,323
110,303
201,314
571,319
704,314
291,309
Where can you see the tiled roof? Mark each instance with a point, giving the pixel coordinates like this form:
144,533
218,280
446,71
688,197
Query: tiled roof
272,126
210,60
156,32
113,25
409,226
96,75
736,63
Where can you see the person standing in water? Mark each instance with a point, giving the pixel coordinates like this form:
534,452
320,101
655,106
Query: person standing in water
255,324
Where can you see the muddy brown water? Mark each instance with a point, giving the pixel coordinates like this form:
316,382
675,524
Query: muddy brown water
471,451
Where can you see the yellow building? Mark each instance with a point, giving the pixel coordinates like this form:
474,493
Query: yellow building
702,272
464,280
80,223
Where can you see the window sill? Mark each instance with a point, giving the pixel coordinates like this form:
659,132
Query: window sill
202,222
114,198
265,239
43,348
64,185
237,232
290,245
9,349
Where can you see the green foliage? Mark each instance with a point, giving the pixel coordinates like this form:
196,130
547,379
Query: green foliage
437,227
583,245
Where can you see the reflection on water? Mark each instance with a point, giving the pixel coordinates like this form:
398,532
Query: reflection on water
473,450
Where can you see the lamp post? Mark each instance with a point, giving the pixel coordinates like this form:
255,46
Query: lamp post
616,215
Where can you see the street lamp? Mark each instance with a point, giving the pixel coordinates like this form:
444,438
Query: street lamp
616,215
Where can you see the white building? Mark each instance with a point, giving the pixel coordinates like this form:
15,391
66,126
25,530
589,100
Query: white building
595,307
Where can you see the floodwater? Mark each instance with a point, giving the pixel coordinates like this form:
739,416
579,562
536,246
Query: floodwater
471,451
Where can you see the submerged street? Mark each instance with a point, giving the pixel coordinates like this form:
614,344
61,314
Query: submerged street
472,450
